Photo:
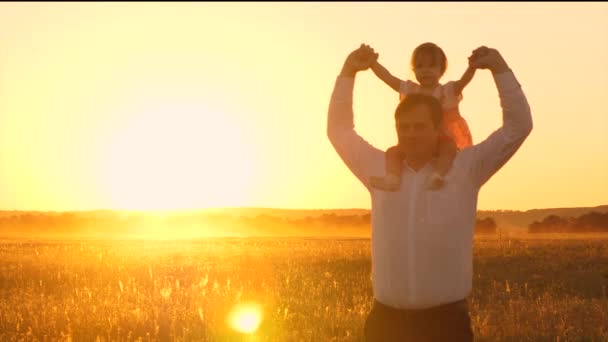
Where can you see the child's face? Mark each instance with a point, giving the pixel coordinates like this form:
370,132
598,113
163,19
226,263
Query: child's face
427,69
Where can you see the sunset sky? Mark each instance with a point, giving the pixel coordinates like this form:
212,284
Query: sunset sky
194,105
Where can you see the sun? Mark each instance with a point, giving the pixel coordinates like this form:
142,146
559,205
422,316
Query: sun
176,157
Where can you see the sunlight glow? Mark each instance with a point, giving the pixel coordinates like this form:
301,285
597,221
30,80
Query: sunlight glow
245,317
226,106
170,156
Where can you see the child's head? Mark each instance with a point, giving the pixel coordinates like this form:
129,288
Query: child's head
428,63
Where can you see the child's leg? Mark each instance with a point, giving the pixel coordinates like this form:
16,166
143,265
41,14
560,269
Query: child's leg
394,162
393,165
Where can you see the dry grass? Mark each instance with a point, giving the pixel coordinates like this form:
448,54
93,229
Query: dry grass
541,289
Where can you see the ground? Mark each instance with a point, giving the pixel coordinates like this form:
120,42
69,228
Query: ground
525,288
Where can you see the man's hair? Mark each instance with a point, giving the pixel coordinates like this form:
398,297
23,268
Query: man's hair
413,100
432,50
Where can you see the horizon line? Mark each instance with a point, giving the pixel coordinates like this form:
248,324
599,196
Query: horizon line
252,208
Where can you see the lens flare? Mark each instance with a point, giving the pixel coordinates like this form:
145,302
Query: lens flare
245,317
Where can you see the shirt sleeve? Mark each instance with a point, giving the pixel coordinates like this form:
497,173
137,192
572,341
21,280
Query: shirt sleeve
491,154
358,155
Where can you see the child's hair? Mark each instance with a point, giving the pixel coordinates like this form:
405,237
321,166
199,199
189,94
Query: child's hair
432,50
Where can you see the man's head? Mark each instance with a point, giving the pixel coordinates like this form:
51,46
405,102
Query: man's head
418,121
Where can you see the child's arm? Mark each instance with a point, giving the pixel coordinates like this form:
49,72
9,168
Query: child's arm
386,76
463,81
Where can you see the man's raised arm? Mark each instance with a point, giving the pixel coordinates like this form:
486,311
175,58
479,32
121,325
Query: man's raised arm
491,154
356,153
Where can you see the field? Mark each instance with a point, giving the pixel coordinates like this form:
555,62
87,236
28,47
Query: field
546,288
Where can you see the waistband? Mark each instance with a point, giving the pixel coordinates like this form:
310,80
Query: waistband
444,308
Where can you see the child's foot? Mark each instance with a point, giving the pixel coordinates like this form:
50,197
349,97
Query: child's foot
386,183
434,181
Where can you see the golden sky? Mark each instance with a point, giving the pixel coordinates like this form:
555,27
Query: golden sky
192,105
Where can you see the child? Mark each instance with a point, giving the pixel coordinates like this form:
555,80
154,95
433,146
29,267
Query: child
428,63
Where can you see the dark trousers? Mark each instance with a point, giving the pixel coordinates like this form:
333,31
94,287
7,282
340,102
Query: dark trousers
449,322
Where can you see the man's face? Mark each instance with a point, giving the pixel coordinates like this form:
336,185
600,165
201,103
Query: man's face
417,134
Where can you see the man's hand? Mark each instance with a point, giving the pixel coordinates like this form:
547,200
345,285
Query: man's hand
360,59
487,58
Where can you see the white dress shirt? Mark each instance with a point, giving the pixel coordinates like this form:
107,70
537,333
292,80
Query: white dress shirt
422,240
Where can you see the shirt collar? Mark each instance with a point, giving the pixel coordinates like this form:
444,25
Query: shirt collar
426,166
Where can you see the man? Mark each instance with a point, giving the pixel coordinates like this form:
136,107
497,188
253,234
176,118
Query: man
422,240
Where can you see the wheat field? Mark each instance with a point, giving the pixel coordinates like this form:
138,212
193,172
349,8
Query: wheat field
541,288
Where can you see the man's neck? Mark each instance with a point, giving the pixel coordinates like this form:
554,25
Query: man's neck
418,163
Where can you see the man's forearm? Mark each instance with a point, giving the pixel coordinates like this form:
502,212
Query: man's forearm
517,118
500,67
340,115
348,71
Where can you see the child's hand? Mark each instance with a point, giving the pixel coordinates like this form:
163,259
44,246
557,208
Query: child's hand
476,55
487,58
368,54
360,59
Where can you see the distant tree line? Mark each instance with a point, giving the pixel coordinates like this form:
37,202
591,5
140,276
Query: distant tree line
485,226
592,222
118,223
